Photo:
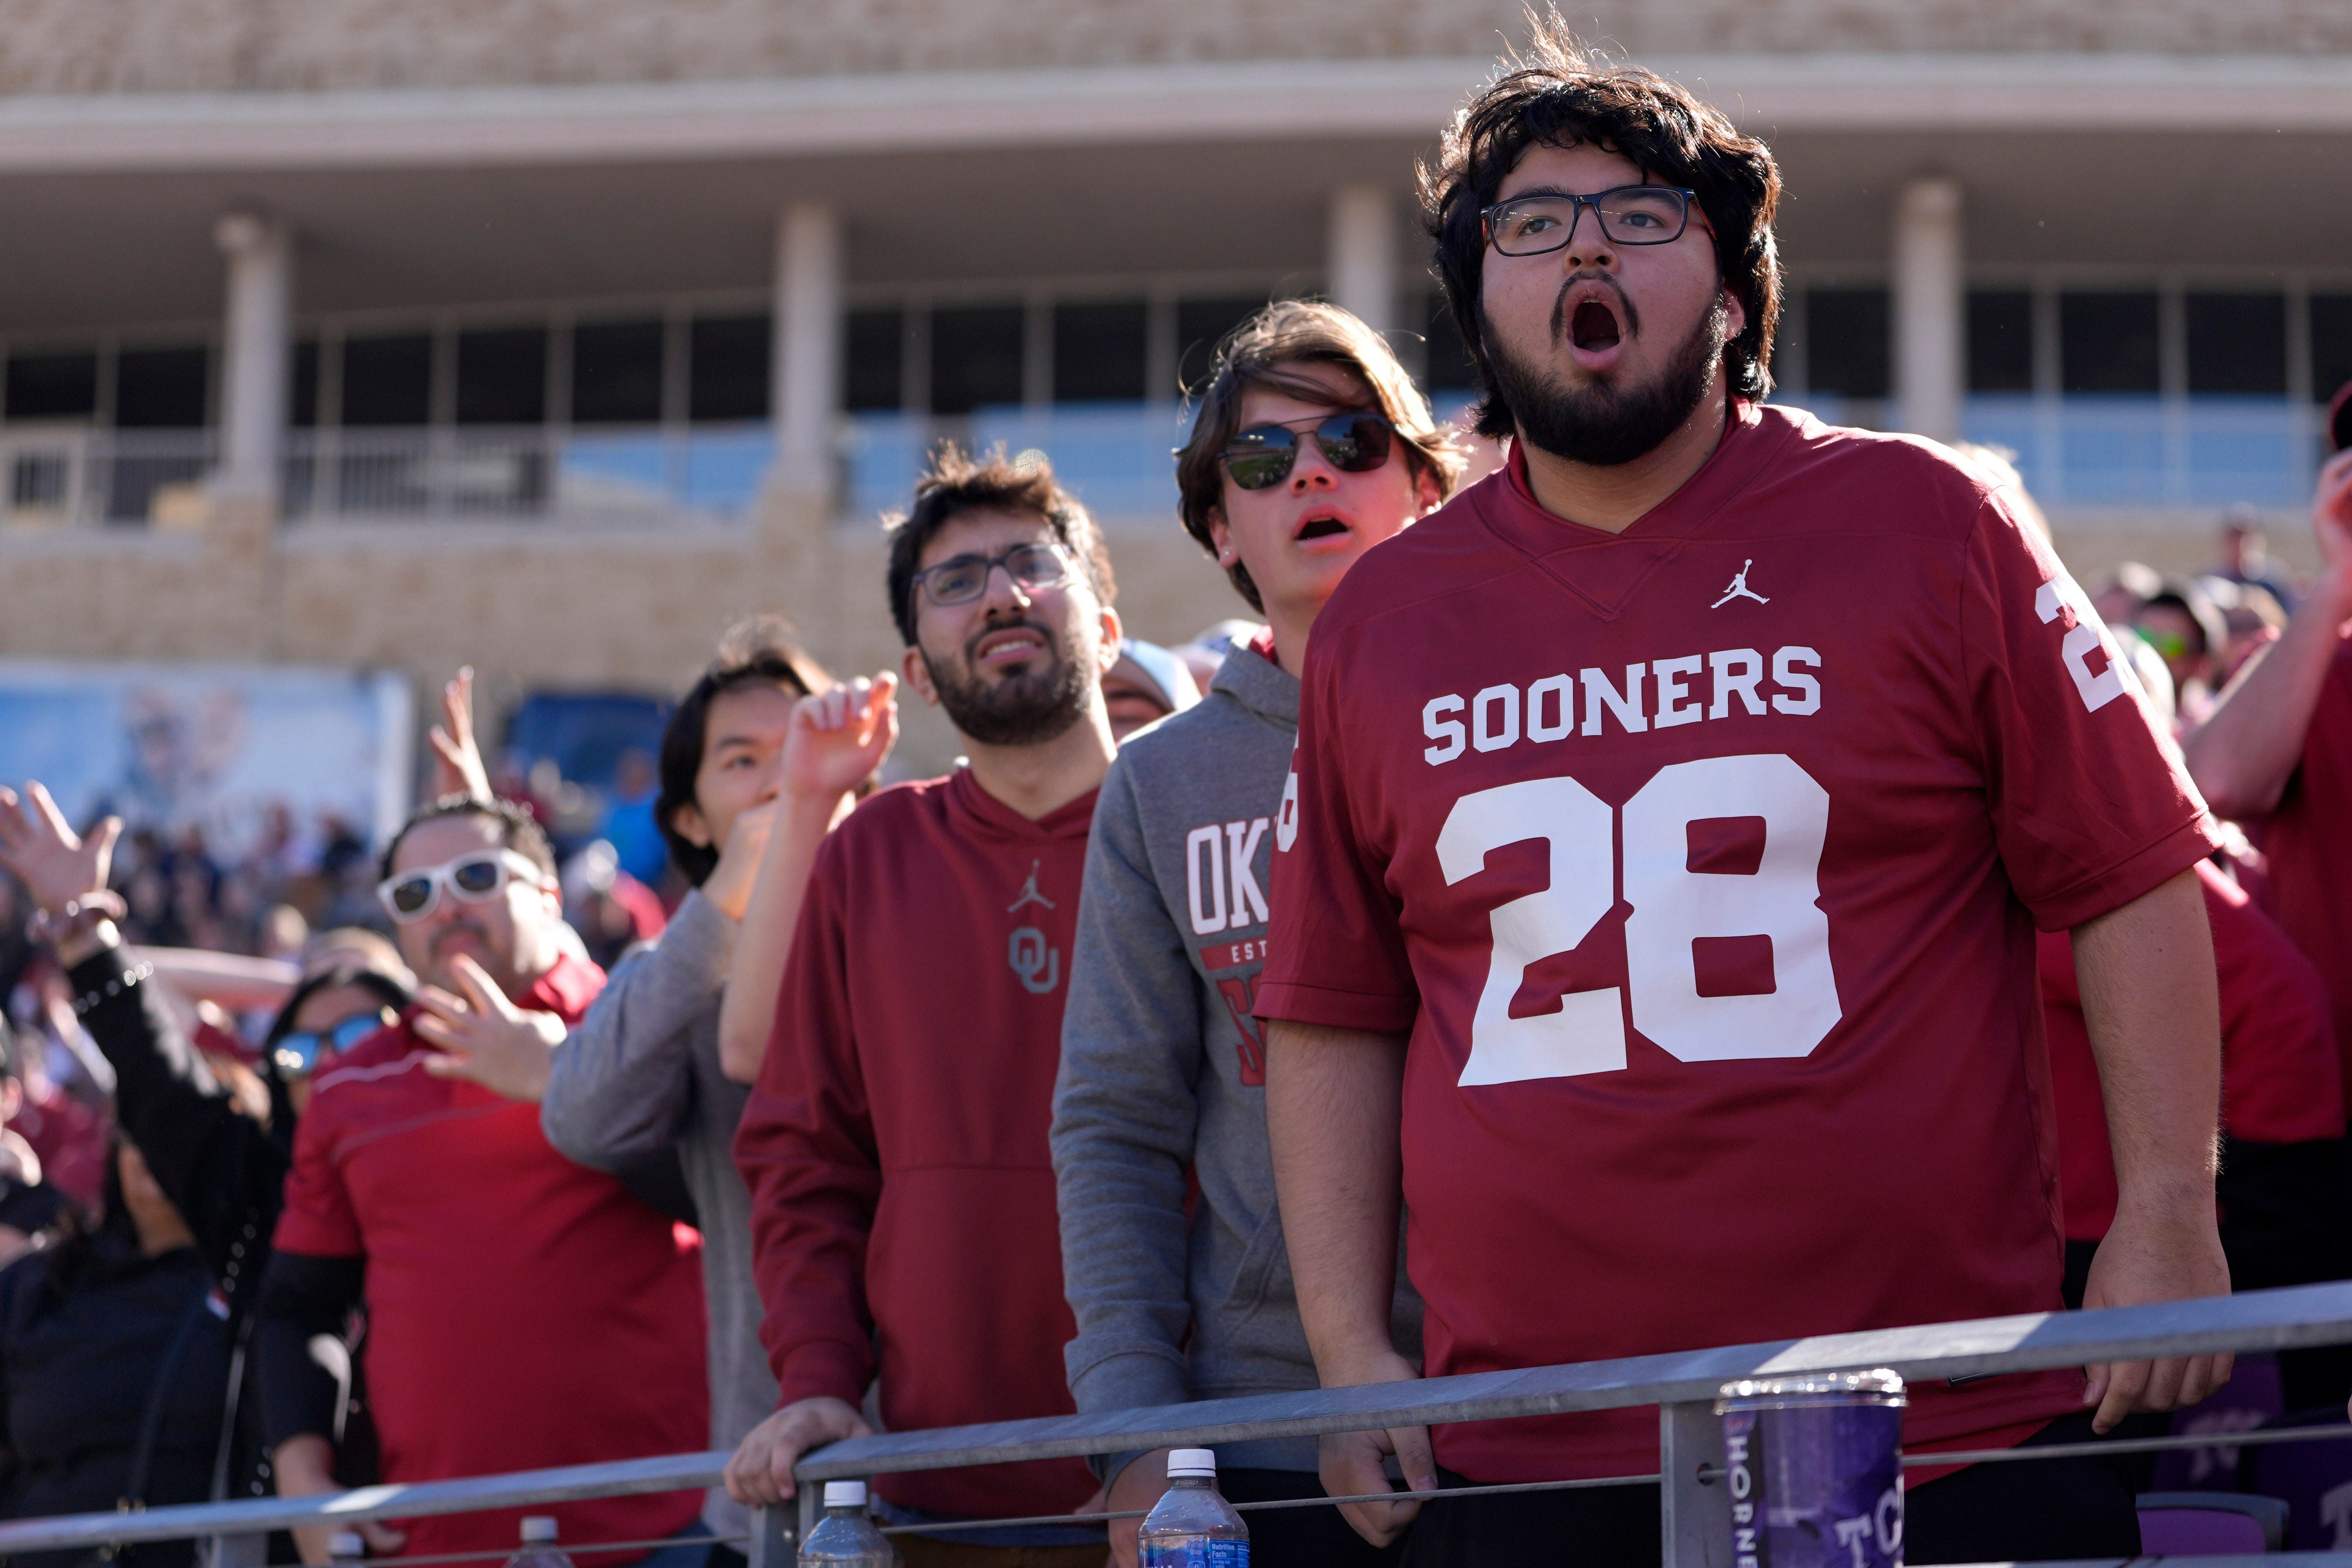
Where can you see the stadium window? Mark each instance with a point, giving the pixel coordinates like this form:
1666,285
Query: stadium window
502,376
875,378
161,389
2236,343
51,386
727,369
616,372
1846,341
2331,343
1449,366
302,409
1099,350
388,381
1201,326
2000,339
976,354
2107,341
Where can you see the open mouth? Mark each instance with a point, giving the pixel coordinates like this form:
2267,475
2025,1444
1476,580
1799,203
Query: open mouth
1595,326
1322,525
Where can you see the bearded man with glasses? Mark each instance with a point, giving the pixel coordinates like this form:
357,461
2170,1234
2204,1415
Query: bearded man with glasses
522,1310
903,1218
1675,809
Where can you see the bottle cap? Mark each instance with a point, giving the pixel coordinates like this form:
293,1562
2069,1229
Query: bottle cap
1192,1462
346,1543
844,1494
538,1528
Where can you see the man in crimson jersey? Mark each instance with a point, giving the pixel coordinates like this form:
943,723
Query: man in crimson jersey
2278,751
903,1220
1672,813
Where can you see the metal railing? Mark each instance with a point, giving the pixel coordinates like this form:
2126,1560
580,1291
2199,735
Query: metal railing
1682,1385
72,476
631,475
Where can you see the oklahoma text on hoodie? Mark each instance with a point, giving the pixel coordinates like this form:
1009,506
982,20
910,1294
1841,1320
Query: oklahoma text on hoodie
902,1198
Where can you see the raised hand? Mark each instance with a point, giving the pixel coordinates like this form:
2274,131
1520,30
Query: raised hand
57,865
486,1038
456,758
729,884
839,737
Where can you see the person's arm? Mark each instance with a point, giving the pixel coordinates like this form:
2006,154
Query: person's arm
622,1084
1126,1112
233,981
837,740
806,1149
2149,1001
1333,1112
302,1371
2244,754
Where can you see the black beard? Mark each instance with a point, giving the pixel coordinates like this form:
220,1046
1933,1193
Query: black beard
1601,425
1021,709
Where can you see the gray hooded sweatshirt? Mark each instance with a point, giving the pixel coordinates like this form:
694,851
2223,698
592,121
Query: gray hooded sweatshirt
1163,1069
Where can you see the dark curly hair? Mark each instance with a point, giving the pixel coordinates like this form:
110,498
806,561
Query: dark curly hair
1558,94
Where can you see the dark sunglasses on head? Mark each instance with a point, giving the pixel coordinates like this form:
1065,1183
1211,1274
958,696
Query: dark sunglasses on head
298,1054
1355,442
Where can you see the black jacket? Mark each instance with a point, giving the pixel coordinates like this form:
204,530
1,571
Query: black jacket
113,1383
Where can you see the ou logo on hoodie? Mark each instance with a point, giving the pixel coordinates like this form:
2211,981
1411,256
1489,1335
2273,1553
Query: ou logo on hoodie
1033,961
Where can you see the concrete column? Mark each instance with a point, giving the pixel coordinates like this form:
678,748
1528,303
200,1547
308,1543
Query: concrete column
258,355
1365,259
1930,305
806,400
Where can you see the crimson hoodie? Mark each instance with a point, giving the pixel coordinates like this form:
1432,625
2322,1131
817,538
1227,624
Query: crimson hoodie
903,1217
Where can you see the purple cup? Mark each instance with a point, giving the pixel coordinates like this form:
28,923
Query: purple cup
1814,1467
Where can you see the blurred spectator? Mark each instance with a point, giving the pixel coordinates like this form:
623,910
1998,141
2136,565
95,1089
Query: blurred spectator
523,1310
2253,617
2246,559
1145,686
2187,632
2131,585
28,1205
1207,651
2283,1187
357,945
629,822
67,1131
641,1073
612,910
2278,749
284,932
114,1367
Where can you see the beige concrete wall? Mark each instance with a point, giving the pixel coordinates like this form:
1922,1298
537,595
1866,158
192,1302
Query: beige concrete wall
179,46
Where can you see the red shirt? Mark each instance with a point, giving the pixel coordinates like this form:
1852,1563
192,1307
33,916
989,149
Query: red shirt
523,1311
2280,1079
2308,843
1701,861
894,1145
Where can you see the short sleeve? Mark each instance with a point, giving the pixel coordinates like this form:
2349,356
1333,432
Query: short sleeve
317,1219
1336,955
2091,804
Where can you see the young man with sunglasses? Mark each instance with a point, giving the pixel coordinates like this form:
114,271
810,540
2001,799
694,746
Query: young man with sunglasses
895,1144
1674,813
523,1310
1311,446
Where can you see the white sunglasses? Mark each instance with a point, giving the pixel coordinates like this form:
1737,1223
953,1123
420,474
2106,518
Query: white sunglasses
474,879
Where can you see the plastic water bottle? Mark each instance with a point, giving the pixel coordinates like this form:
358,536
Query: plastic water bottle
346,1549
1192,1526
539,1548
848,1534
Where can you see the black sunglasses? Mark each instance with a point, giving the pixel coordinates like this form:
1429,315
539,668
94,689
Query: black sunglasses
1355,442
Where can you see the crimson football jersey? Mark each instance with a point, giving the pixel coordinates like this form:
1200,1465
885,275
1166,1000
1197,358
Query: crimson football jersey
1702,862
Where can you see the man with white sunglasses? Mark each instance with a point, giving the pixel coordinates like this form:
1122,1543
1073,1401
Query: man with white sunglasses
522,1310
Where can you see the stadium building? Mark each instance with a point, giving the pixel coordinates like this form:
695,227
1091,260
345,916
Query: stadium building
551,333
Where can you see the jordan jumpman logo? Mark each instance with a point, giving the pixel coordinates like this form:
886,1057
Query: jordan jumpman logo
1029,893
1739,589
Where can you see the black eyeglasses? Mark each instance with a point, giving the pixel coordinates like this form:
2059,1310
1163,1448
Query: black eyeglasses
1355,442
1629,215
964,578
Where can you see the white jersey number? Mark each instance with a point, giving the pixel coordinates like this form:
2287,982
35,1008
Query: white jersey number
1671,908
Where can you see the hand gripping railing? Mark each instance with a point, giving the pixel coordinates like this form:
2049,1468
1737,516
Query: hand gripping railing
1684,1386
